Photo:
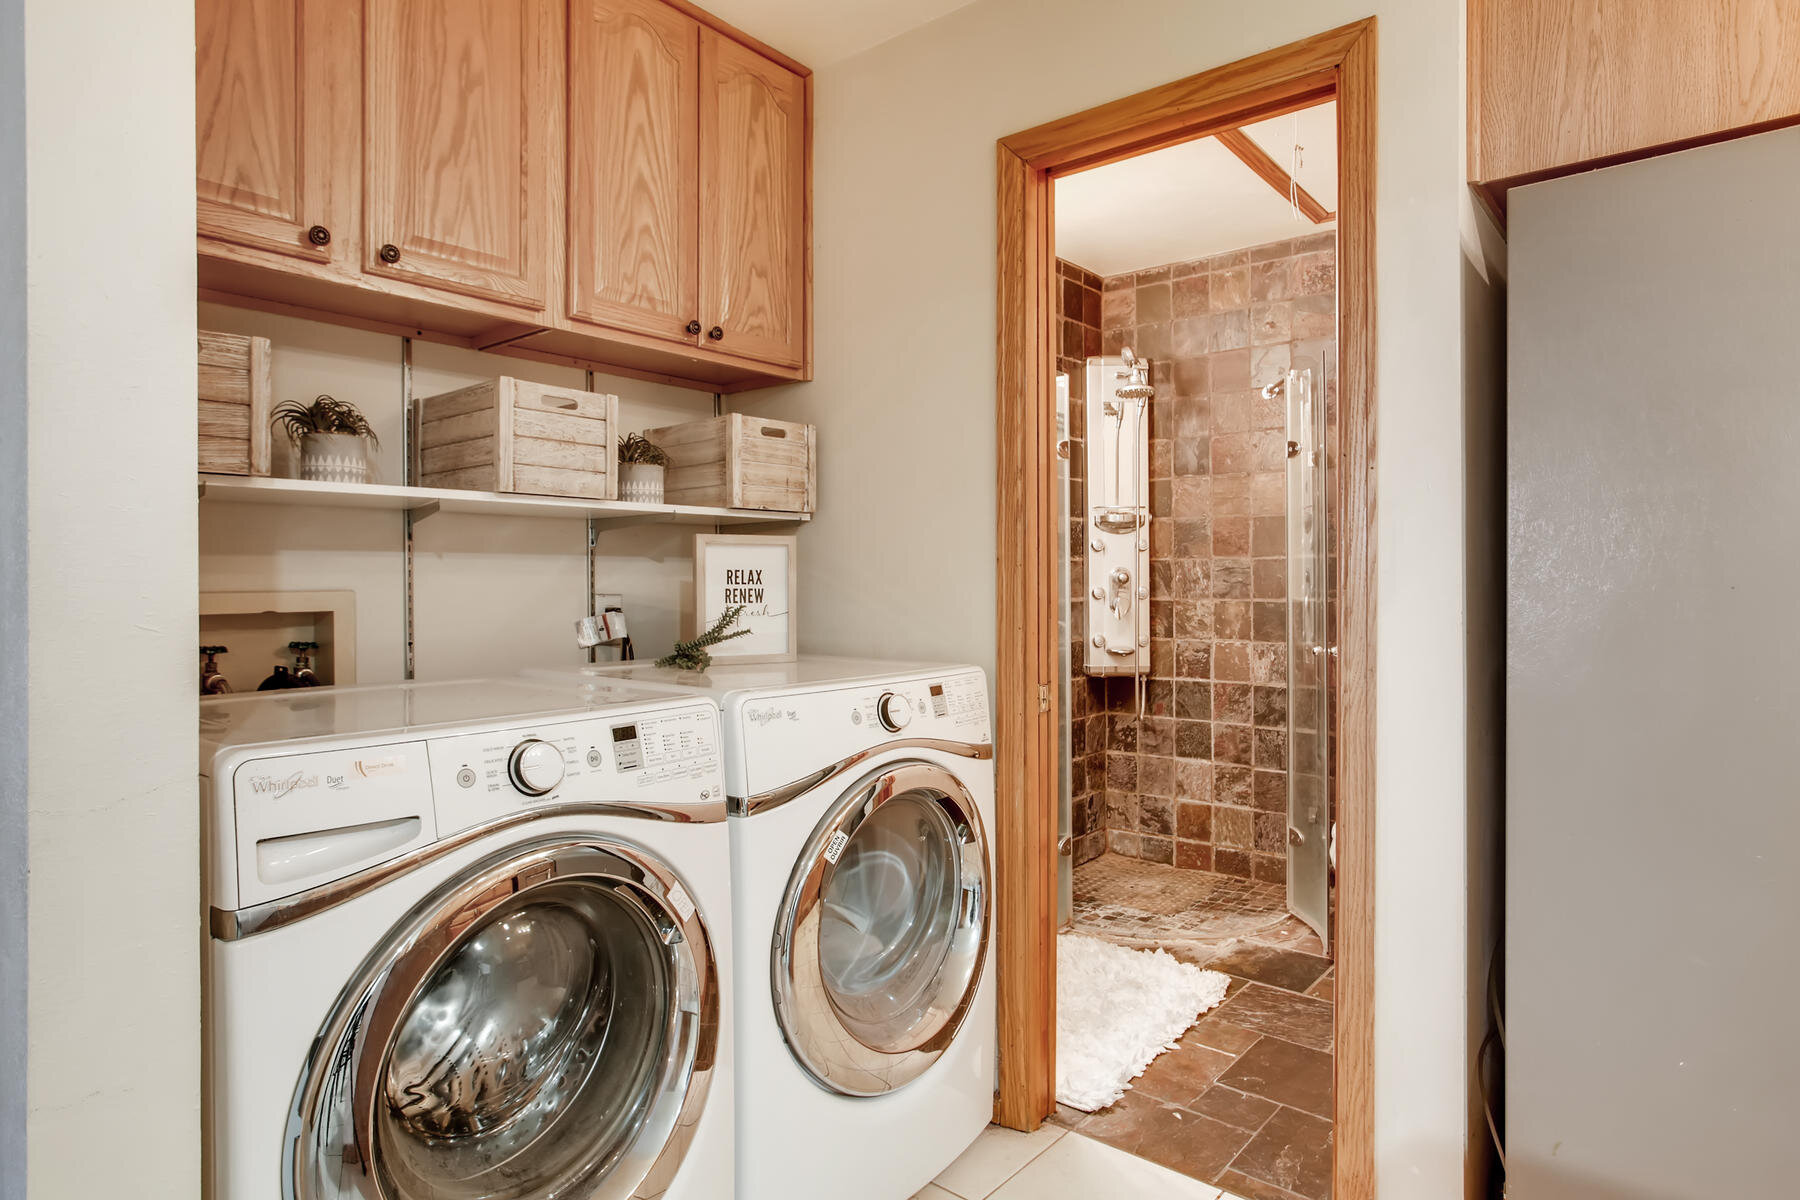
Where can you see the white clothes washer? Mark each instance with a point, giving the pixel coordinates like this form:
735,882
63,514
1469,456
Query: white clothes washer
468,940
862,801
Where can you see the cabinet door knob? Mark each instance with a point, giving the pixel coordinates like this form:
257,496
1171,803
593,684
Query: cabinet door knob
693,327
318,235
716,333
389,253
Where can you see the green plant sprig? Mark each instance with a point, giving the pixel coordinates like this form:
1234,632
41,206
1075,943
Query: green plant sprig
636,448
692,655
325,414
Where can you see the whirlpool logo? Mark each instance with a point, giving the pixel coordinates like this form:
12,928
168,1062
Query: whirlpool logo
266,785
770,714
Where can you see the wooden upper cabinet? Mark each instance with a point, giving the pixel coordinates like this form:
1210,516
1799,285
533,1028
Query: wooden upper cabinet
753,227
1559,84
634,167
276,125
462,116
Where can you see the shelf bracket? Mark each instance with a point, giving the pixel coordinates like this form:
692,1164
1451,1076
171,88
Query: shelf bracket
427,509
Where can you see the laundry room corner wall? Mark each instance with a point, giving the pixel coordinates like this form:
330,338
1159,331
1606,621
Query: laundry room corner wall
901,557
113,1002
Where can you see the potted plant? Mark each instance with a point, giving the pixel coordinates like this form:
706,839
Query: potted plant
641,464
333,437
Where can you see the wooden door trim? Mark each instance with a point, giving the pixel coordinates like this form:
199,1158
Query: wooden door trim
1338,64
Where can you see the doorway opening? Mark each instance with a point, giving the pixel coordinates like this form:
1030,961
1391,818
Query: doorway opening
1185,668
1196,364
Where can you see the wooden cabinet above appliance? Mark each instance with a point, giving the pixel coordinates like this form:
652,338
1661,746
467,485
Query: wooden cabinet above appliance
532,177
1557,86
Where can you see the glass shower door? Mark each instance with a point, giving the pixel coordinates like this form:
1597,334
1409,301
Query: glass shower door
1309,653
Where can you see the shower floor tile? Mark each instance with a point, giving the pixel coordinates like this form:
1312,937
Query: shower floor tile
1127,899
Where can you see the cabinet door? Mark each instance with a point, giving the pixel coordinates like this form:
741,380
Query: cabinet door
753,232
634,166
462,115
276,126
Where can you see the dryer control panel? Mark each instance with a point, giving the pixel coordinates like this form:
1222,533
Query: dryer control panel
787,736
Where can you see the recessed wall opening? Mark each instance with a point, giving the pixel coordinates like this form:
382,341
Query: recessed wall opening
1196,372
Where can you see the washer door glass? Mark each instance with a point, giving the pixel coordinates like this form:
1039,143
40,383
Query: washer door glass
545,1028
879,948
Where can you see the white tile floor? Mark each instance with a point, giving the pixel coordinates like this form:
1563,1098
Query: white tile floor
1055,1164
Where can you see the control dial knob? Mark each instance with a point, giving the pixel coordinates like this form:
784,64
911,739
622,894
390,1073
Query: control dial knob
536,767
893,711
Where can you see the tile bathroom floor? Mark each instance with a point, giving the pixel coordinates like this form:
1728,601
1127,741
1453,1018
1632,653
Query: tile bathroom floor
1243,1102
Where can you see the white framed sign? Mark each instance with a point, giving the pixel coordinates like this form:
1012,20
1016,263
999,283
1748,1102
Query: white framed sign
758,573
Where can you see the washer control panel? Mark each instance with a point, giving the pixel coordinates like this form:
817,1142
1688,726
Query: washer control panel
666,756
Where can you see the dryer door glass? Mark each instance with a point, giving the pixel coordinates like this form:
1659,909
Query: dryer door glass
542,1027
879,948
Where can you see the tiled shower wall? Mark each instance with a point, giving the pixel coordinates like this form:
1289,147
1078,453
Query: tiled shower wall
1078,336
1200,780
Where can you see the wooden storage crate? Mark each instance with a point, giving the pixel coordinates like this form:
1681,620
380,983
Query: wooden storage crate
234,404
740,461
512,435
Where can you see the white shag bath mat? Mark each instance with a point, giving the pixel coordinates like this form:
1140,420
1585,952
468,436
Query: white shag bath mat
1116,1010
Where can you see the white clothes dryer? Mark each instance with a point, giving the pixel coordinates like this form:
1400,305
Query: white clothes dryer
862,801
468,940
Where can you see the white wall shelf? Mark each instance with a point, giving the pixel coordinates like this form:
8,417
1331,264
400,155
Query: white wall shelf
424,501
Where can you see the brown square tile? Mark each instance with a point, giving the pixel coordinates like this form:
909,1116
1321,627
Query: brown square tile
1153,304
1292,1151
1231,827
1196,1146
1221,1034
1268,791
1233,1107
1230,372
1193,700
1270,576
1285,1073
1326,987
1231,660
1269,623
1231,537
1191,295
1232,785
1193,739
1228,861
1270,707
1271,749
1231,618
1271,835
1286,969
1193,856
1231,289
1302,1019
1181,1074
1232,744
1193,780
1156,849
1233,702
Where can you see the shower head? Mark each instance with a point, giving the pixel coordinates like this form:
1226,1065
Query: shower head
1135,391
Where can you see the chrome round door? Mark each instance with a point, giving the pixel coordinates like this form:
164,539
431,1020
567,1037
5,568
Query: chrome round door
543,1026
880,940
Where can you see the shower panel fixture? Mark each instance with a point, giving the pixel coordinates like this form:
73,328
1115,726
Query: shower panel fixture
1118,515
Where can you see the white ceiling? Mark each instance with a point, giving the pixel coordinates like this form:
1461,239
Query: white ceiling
1194,200
821,32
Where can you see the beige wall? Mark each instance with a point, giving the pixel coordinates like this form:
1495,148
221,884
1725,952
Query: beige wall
114,937
901,557
491,594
